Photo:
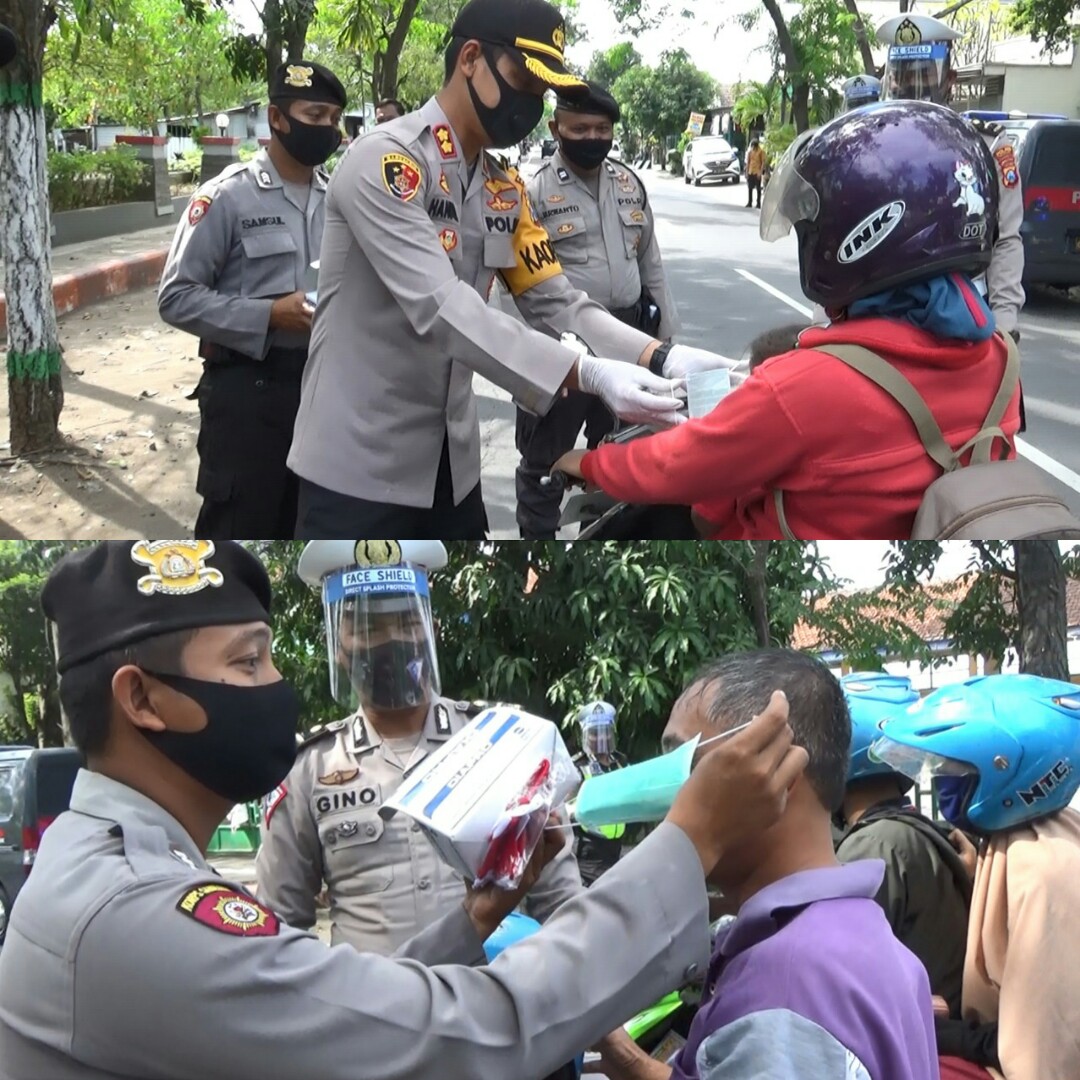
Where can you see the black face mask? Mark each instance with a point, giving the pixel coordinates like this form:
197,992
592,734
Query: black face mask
516,114
249,743
585,153
393,675
310,144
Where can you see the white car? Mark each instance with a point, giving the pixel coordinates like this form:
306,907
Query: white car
531,164
710,157
616,150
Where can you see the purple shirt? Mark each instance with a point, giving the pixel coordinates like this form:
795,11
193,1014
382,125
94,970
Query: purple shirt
809,981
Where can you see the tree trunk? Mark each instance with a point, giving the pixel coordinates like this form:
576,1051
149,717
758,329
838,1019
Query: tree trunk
861,37
50,722
758,589
800,106
905,6
35,391
275,38
1040,596
800,88
394,45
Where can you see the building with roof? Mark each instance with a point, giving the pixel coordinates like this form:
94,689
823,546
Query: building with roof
950,664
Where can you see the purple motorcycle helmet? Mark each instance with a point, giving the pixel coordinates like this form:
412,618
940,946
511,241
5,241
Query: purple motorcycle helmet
885,195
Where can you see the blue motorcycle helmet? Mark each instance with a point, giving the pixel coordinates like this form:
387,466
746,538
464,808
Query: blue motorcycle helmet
1000,750
514,928
872,698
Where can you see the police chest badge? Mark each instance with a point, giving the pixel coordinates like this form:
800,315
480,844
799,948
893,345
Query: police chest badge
449,239
197,210
444,183
402,176
177,567
565,228
1006,160
556,198
339,776
637,217
498,203
222,908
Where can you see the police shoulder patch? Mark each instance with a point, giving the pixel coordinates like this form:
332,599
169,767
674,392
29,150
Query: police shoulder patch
272,801
402,176
229,911
1005,157
198,207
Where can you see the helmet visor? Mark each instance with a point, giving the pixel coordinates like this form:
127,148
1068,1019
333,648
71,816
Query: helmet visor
921,765
599,739
788,198
917,73
380,638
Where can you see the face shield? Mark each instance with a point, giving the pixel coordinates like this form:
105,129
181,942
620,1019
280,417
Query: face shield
918,73
380,638
788,198
598,732
921,765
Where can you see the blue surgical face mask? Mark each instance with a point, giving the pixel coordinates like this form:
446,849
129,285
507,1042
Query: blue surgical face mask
953,795
642,792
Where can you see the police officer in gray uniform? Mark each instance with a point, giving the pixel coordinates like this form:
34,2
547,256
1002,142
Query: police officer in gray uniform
236,277
920,67
601,226
128,956
385,881
860,90
420,222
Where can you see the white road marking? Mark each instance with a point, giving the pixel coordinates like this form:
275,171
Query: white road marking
1036,456
772,291
1048,464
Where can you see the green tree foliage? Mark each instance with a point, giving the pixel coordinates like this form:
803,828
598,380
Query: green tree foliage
1051,22
657,102
608,65
157,61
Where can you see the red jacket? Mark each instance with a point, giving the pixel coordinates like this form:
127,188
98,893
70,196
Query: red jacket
846,455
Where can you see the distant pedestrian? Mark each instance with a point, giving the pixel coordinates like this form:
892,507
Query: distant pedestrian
389,109
755,171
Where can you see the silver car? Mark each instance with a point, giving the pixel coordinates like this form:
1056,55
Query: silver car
710,157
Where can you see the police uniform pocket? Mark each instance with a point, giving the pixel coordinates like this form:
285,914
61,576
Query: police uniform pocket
269,264
499,252
569,238
355,863
633,226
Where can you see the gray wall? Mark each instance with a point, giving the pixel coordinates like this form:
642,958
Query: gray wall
98,222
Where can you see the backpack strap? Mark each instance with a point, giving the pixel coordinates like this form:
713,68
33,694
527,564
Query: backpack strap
899,388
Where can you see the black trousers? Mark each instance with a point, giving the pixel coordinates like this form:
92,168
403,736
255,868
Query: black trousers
541,441
329,515
247,410
753,183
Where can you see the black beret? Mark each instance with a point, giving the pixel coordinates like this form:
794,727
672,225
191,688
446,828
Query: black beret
534,29
122,591
595,101
307,81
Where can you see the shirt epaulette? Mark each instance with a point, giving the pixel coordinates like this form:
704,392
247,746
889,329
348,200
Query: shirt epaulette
321,732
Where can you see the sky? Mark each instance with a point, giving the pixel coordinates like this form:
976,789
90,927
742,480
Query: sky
862,561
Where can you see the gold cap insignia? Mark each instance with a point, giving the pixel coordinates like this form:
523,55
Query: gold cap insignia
907,33
298,75
178,567
377,552
558,37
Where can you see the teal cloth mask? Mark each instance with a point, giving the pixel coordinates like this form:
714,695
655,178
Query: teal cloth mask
642,792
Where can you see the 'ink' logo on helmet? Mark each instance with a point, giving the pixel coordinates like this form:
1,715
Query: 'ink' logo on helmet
871,231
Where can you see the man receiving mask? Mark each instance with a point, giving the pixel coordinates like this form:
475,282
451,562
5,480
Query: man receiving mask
598,216
237,277
385,881
421,221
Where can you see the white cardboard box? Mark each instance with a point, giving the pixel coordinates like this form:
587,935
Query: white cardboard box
461,793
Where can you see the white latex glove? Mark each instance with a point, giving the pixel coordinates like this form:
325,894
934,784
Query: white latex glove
633,393
685,360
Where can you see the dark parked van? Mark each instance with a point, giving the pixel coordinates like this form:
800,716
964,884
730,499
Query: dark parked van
35,789
1048,155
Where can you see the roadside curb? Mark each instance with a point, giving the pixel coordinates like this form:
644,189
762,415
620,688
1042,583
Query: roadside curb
102,282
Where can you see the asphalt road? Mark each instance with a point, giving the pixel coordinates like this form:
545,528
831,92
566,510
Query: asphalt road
730,285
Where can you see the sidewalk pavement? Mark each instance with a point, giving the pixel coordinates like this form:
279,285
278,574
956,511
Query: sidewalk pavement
99,269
